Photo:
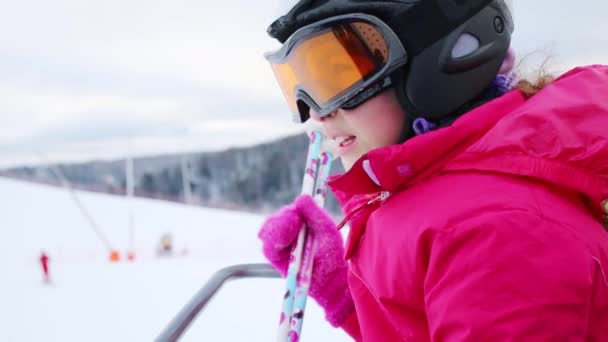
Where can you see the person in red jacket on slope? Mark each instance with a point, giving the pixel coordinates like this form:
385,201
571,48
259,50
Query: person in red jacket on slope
493,193
44,262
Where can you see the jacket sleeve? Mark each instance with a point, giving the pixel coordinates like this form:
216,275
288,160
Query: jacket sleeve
507,276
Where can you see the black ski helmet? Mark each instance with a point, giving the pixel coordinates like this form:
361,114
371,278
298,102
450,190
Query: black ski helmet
435,83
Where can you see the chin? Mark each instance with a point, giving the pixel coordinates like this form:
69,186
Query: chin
347,163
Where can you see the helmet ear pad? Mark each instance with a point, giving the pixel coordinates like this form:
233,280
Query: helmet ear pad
434,84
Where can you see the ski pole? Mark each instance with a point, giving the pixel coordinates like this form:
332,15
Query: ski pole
308,186
305,273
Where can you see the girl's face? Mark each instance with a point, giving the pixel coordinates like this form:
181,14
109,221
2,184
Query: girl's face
378,122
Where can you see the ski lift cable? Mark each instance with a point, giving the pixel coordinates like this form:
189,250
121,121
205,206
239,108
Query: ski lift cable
56,171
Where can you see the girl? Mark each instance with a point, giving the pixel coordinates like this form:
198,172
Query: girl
476,213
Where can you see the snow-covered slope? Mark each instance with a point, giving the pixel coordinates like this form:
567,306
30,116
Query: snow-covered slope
91,299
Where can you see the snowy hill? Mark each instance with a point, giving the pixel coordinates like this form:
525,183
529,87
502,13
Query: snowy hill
256,178
91,299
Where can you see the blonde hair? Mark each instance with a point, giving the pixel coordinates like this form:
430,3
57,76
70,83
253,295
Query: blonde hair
531,87
537,81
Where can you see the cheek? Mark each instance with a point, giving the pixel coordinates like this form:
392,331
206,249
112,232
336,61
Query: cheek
385,129
387,121
394,127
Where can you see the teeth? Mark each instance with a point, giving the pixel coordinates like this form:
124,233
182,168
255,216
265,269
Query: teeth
342,139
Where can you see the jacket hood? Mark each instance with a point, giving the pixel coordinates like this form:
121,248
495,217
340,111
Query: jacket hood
560,136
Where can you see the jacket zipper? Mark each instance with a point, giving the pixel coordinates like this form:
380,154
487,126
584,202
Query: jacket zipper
380,198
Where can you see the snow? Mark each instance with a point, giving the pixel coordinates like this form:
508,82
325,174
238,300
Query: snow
91,299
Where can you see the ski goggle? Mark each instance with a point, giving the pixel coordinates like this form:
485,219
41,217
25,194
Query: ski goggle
326,65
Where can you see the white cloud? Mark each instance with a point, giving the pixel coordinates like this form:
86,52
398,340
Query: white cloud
240,126
232,62
63,106
80,78
47,111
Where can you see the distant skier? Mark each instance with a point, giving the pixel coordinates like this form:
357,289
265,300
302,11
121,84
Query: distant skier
165,247
44,261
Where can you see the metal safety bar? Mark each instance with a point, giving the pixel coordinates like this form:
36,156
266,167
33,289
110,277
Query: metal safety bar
184,318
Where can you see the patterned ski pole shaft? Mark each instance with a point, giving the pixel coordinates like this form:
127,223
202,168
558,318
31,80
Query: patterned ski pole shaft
305,275
308,186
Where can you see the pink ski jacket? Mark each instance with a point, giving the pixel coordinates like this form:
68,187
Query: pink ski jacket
493,229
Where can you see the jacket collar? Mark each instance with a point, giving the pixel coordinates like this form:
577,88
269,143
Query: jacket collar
398,166
558,136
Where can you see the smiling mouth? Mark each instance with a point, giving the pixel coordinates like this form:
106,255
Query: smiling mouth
346,141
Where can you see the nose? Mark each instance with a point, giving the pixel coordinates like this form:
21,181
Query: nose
315,116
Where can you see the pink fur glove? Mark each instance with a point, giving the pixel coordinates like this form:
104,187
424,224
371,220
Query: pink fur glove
328,285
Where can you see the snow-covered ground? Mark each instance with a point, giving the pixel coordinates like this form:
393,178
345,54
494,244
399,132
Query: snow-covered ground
91,299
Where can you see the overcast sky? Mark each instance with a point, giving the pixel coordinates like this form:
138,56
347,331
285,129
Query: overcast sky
90,79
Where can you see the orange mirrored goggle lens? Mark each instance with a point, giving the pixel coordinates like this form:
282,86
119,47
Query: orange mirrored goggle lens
329,63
